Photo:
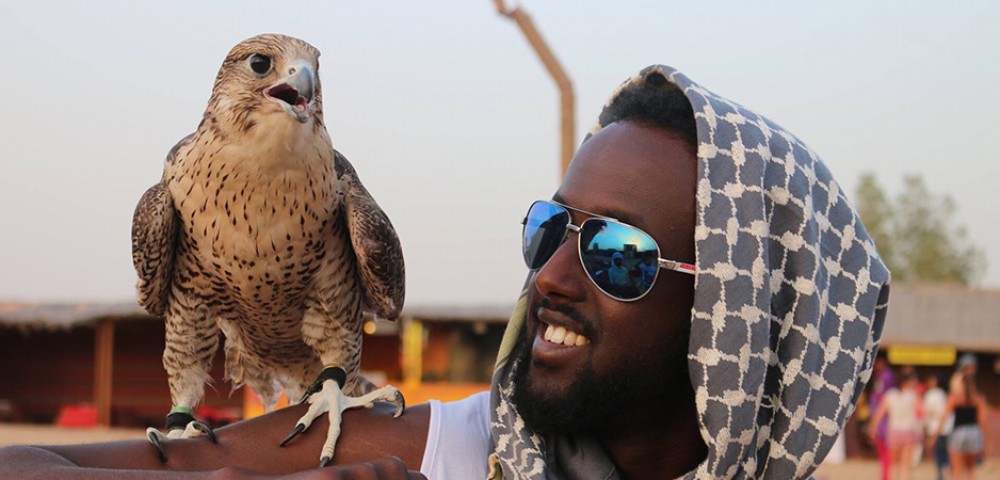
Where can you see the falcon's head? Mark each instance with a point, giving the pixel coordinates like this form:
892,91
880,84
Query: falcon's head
267,78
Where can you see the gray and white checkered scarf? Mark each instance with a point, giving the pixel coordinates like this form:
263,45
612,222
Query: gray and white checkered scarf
790,299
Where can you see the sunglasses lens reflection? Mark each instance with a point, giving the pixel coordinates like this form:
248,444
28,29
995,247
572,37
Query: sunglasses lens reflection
544,229
620,259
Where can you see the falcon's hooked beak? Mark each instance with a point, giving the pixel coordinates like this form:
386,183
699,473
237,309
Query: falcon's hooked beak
295,93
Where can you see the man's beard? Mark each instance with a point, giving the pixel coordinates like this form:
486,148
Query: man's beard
593,400
584,405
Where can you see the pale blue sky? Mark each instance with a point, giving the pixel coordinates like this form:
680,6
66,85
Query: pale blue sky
452,121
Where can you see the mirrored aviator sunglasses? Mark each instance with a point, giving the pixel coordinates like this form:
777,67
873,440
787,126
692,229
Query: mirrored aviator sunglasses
621,260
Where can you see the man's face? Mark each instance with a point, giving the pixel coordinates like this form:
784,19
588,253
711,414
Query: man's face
635,358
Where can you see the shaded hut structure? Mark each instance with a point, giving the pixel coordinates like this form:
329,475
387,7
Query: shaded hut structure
105,359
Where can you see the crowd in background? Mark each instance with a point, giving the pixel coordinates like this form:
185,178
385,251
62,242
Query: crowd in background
912,417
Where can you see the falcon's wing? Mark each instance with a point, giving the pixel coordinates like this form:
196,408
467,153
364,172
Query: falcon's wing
154,239
154,242
376,246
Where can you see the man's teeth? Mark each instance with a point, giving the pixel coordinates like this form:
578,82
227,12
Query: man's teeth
565,337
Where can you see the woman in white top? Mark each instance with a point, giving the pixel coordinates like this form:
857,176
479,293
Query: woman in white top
903,406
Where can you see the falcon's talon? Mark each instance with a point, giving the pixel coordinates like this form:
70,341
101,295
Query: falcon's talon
299,428
400,404
180,425
153,435
330,399
324,461
205,429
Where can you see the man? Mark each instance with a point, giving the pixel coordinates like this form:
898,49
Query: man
649,270
935,403
743,358
617,274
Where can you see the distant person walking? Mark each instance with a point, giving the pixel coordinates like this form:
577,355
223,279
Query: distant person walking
883,381
935,408
970,437
902,406
967,365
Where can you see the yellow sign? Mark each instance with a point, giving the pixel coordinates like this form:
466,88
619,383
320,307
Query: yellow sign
930,355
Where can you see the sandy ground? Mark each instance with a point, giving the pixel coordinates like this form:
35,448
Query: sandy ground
11,434
17,433
869,469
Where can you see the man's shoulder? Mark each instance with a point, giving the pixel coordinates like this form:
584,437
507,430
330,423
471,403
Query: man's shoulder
469,415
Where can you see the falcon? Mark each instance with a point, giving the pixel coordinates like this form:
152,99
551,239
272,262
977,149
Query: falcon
259,229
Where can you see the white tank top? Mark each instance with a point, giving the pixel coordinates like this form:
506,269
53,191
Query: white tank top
458,439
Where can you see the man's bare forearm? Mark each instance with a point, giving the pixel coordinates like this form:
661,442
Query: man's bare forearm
26,462
37,463
244,447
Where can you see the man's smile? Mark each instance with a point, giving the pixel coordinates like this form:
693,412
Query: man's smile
558,337
562,336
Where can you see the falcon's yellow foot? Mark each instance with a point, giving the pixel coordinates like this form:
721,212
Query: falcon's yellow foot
331,400
180,424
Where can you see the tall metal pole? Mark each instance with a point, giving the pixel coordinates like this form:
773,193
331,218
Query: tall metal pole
566,98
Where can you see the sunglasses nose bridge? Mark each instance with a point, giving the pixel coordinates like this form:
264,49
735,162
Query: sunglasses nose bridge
559,274
570,228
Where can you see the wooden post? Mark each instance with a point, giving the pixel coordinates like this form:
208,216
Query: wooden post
413,351
566,98
104,346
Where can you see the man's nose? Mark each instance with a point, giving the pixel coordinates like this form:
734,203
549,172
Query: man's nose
563,276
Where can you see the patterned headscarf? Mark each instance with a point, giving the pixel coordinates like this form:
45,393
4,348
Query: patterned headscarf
789,303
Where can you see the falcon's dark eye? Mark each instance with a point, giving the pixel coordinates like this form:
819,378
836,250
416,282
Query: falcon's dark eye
260,64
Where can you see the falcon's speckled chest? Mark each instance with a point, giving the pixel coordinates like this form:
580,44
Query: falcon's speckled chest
259,219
